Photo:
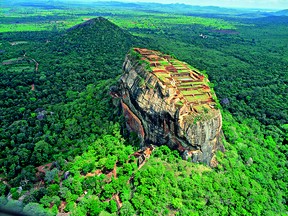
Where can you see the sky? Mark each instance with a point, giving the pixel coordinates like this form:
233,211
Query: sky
265,4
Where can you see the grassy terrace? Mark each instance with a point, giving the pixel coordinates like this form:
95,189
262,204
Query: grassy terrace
191,86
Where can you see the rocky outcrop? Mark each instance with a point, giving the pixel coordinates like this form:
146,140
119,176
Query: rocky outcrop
168,102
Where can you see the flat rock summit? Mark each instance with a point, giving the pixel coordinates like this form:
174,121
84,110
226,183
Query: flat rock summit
168,102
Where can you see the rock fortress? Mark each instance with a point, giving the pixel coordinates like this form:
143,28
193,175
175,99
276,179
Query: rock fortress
168,102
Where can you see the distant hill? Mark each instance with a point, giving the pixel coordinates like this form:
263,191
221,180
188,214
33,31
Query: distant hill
259,14
282,13
178,8
44,4
117,4
98,34
100,42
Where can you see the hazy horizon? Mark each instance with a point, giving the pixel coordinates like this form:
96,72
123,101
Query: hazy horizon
264,4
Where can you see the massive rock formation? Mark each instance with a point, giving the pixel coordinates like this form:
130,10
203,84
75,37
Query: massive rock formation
168,102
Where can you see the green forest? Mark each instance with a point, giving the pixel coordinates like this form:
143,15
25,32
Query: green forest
64,144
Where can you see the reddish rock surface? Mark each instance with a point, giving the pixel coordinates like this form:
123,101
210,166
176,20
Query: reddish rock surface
132,121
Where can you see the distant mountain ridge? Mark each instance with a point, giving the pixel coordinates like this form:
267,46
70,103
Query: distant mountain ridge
282,13
178,8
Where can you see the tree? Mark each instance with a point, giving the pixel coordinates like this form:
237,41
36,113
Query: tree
3,189
14,205
110,162
95,206
34,209
53,190
41,152
113,206
127,209
51,175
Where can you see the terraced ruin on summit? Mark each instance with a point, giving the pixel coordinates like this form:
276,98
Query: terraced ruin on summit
192,92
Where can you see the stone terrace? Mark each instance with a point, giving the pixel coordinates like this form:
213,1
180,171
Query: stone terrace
191,86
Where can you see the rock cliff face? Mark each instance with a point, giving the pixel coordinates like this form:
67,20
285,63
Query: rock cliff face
168,102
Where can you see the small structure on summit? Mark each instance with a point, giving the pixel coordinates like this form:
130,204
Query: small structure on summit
168,102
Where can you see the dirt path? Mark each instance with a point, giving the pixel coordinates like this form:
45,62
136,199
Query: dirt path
36,64
118,201
33,60
114,171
